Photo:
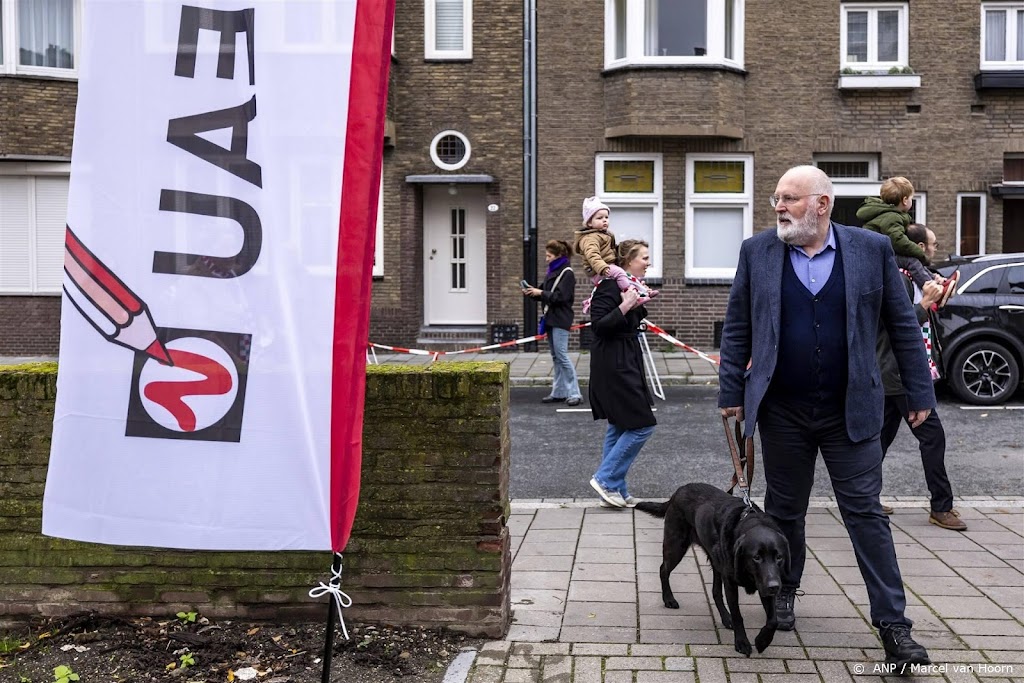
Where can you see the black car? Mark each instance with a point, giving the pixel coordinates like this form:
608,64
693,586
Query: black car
980,330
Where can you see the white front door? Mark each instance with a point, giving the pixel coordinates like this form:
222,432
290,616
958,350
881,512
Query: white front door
455,255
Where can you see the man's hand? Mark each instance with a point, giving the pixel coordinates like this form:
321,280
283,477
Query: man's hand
916,417
734,411
930,294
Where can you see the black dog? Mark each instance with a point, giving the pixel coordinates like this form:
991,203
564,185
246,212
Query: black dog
744,545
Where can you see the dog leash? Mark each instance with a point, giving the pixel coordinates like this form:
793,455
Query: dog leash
740,461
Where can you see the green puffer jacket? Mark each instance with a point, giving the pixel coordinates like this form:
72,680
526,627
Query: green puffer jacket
890,221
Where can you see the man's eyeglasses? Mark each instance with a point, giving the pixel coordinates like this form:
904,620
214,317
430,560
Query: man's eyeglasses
788,199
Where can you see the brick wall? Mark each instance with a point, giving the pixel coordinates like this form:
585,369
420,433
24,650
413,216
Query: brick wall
37,116
791,110
29,325
429,545
483,99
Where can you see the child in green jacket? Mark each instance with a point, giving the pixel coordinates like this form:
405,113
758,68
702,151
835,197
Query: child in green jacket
889,215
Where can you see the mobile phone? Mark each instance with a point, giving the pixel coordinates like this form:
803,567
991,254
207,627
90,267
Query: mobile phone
524,284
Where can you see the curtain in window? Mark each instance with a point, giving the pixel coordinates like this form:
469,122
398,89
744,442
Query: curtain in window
448,24
1020,35
620,29
889,36
995,36
856,36
717,235
46,30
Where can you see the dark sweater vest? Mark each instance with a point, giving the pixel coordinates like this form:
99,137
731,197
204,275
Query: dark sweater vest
812,364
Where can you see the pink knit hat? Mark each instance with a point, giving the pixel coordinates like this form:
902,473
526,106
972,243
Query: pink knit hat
592,205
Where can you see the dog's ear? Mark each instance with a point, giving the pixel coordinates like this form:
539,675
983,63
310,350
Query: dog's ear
738,557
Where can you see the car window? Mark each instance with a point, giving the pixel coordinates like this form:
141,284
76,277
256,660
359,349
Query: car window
1015,279
987,282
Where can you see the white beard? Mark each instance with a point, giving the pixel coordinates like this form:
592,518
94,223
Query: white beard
799,232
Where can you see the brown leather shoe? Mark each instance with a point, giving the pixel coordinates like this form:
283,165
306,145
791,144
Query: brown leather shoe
886,509
948,520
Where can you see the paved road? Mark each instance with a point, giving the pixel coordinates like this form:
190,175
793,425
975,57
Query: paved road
555,452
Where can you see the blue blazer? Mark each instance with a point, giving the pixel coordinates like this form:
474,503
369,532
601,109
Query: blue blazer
874,293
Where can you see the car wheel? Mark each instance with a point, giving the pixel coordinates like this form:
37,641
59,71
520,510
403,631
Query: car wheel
984,373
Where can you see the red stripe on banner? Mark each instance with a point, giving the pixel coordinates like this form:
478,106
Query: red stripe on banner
364,143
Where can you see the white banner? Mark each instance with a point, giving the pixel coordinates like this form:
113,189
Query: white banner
200,352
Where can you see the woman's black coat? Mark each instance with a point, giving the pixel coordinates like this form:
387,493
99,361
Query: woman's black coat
618,387
559,301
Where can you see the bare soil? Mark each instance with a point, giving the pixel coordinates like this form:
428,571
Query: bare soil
112,649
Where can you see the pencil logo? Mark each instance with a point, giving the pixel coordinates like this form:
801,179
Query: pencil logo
186,384
107,303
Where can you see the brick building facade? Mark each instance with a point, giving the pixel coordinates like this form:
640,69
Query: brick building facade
680,114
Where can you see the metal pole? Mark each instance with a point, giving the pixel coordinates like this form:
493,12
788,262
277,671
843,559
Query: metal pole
530,166
329,636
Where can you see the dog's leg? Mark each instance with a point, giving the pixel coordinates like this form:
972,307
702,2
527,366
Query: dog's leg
767,634
716,593
671,556
739,634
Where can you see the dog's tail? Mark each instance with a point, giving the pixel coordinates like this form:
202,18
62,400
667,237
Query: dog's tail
655,509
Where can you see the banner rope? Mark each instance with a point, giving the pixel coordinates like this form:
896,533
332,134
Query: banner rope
434,355
333,588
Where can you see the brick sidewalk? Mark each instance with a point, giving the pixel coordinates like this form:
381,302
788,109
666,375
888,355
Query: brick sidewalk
587,604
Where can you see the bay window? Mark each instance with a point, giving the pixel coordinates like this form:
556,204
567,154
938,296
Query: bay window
673,32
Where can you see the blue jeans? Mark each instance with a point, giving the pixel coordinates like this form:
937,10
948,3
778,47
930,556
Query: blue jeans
565,384
621,446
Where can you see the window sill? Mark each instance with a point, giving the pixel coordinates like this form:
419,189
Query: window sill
708,281
999,80
40,76
879,81
676,66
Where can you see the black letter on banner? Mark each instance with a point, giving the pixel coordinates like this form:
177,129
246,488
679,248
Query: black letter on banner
182,133
224,22
174,263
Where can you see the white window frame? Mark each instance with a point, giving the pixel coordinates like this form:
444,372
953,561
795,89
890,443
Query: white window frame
430,50
745,200
644,200
33,170
873,8
10,65
1012,39
982,223
378,240
444,166
636,13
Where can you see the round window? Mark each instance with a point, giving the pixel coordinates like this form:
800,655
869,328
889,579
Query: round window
450,150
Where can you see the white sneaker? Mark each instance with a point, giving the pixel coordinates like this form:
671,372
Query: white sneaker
631,502
613,498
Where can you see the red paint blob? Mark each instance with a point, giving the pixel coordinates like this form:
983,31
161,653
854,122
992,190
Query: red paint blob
216,381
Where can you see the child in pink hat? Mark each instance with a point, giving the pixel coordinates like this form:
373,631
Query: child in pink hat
597,247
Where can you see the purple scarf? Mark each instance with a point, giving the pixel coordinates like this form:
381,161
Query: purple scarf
557,263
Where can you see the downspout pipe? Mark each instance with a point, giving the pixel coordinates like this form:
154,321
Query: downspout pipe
530,165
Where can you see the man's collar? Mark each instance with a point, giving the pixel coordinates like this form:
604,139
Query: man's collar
830,241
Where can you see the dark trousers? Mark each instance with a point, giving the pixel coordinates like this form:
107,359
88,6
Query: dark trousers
792,433
931,439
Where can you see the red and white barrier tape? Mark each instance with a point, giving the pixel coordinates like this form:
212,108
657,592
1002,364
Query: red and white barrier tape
537,337
675,342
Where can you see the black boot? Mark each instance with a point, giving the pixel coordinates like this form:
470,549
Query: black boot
785,600
901,649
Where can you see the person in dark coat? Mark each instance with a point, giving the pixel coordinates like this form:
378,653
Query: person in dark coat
798,362
618,387
556,297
